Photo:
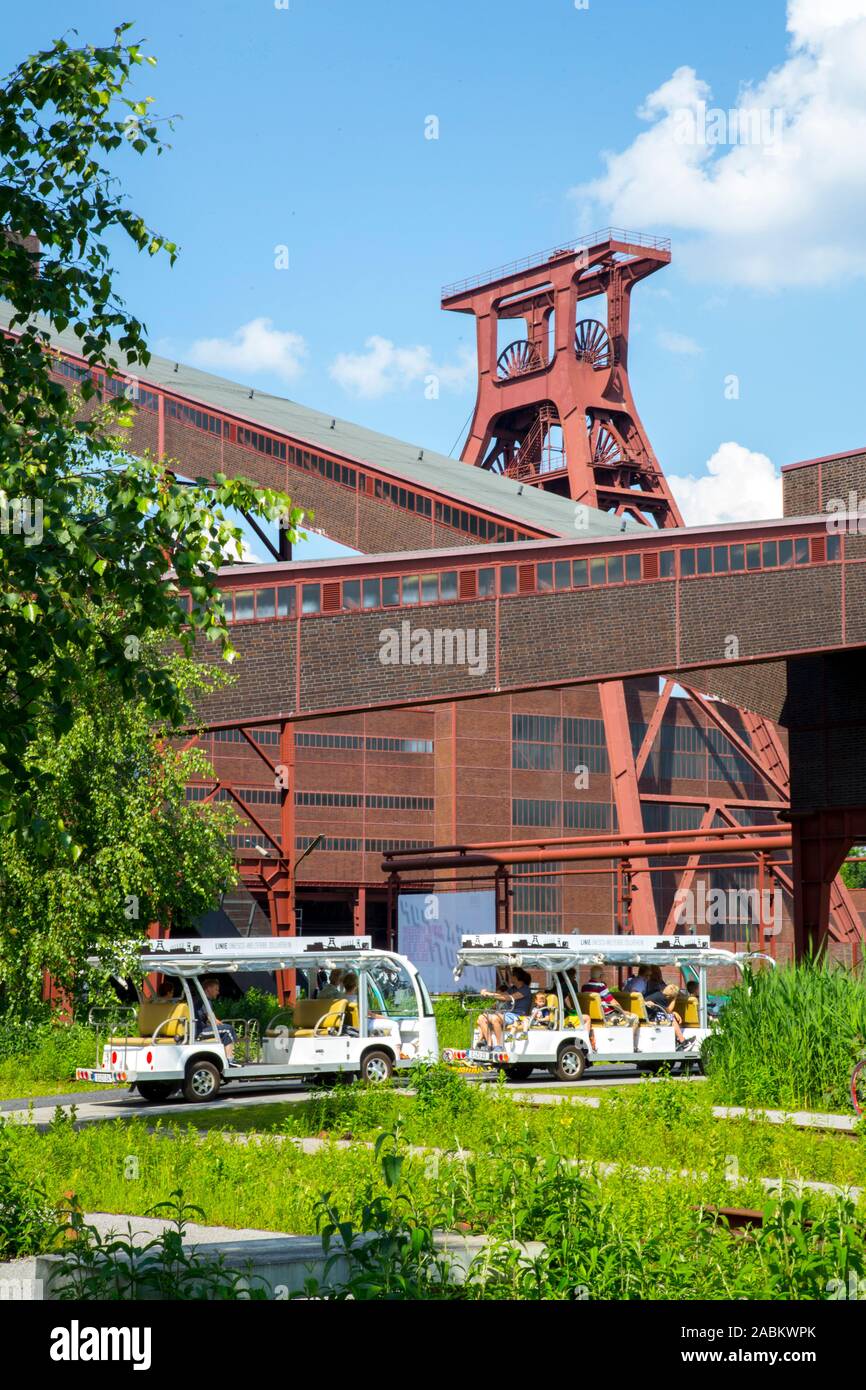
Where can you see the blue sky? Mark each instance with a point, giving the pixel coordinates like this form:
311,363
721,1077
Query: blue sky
305,127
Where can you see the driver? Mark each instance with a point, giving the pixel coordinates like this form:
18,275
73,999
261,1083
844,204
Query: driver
227,1035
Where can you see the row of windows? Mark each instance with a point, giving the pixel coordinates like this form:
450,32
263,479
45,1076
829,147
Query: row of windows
253,796
119,386
407,591
373,744
543,743
191,415
266,737
372,802
689,752
250,841
570,815
457,518
343,844
398,496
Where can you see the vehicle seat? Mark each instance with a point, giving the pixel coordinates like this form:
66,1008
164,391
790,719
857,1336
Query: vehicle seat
591,1004
330,1024
172,1013
305,1014
692,1017
637,1006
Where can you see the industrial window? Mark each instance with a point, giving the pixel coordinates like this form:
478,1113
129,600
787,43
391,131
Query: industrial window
375,802
244,605
666,564
334,844
632,566
598,570
262,443
448,584
663,816
579,574
311,598
286,602
387,846
266,603
390,592
534,742
530,812
199,419
399,745
486,582
327,799
508,579
305,740
586,815
584,745
351,593
411,590
372,596
263,736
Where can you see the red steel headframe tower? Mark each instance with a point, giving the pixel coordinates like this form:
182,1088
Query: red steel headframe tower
554,405
554,409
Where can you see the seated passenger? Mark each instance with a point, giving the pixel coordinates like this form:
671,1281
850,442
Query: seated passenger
663,1012
227,1035
693,990
637,984
613,1011
334,987
517,996
350,987
542,1014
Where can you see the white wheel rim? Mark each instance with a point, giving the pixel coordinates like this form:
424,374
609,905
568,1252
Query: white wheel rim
377,1069
202,1082
569,1063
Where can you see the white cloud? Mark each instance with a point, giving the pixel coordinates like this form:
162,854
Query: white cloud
781,203
255,347
739,485
383,367
679,343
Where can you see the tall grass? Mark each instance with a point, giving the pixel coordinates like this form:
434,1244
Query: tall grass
789,1037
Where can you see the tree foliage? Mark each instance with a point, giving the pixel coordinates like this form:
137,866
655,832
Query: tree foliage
108,524
120,846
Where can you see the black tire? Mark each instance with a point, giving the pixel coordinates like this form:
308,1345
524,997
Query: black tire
202,1081
518,1071
377,1066
155,1091
570,1062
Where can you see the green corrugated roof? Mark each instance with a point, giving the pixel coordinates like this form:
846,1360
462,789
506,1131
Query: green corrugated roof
473,486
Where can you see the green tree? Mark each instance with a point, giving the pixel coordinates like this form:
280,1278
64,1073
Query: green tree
121,845
86,530
854,875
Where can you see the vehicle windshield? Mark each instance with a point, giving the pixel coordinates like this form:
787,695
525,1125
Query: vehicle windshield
390,990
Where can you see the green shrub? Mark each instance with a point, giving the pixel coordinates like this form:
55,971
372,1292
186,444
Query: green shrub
454,1024
789,1037
27,1217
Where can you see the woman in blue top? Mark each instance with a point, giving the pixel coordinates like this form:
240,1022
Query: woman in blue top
515,1002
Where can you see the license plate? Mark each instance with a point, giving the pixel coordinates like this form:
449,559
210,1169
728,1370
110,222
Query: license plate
84,1074
476,1055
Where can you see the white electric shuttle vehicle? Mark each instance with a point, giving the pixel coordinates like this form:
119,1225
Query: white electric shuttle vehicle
575,1031
178,1043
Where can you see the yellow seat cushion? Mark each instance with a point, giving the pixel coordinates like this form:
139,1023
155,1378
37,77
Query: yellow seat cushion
172,1014
691,1017
140,1042
591,1004
329,1024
